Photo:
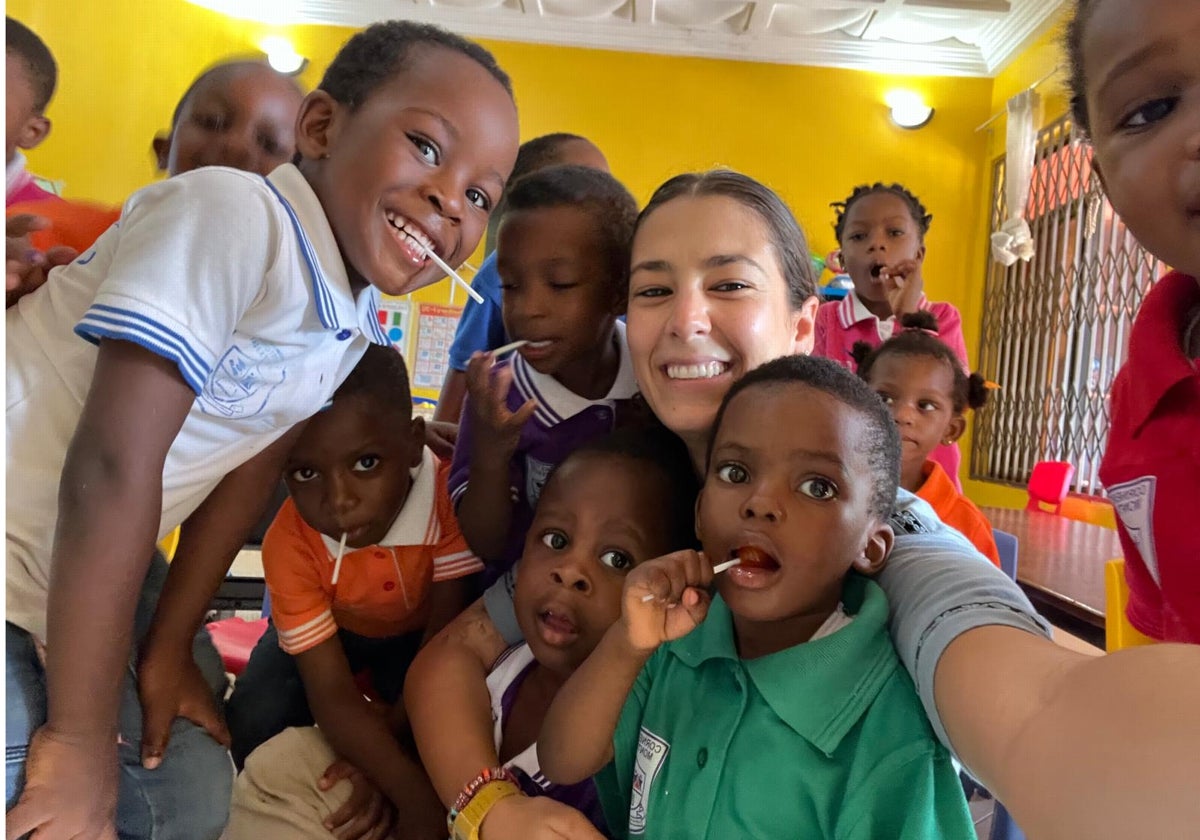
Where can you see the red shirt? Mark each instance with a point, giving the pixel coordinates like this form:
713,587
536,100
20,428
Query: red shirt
1151,467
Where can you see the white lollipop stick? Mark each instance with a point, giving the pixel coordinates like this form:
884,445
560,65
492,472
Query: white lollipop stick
717,569
500,351
337,566
451,273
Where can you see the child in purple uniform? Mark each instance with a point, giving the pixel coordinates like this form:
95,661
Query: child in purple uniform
563,259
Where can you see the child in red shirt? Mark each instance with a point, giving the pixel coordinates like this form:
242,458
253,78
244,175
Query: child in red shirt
1136,84
927,390
881,235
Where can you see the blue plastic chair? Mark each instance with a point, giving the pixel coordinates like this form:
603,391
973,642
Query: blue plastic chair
1006,546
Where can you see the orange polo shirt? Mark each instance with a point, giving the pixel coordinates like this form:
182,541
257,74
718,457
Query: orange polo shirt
957,511
383,589
76,224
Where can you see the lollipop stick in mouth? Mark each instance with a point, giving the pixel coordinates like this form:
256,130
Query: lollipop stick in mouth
452,274
717,569
337,565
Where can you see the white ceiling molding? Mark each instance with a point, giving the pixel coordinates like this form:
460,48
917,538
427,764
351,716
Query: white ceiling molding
923,37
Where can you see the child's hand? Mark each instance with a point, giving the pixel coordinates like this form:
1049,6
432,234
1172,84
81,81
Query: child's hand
441,436
170,686
665,598
367,814
903,285
535,818
499,430
70,789
25,266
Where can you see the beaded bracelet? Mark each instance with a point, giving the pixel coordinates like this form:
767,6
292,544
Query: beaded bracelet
488,774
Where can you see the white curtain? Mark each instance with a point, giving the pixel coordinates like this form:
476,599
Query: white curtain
1013,241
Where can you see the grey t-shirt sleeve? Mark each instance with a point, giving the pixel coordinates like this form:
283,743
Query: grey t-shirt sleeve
938,586
498,601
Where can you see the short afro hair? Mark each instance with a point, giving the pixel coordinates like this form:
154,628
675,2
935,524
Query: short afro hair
21,41
227,67
655,447
1080,16
382,377
882,442
543,151
380,51
596,193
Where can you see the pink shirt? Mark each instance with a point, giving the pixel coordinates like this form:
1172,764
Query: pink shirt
19,184
842,323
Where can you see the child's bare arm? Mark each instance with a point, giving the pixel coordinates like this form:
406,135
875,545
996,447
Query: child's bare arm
361,735
492,432
110,501
447,600
448,703
663,600
169,684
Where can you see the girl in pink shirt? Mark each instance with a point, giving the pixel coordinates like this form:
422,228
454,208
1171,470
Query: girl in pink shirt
881,233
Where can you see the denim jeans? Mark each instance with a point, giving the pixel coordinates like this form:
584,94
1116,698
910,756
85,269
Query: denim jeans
187,797
269,696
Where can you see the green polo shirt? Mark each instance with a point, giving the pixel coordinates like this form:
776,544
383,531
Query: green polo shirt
823,740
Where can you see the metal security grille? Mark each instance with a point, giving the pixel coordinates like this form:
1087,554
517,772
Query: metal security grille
1055,330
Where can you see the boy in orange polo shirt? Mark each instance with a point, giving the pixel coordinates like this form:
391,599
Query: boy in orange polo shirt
363,562
923,383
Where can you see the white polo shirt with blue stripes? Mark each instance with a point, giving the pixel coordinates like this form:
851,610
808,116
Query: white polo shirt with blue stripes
237,280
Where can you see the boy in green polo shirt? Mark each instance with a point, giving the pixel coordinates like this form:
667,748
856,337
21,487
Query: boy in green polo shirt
780,709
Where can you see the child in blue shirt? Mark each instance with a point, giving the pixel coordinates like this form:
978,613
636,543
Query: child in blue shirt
235,306
777,707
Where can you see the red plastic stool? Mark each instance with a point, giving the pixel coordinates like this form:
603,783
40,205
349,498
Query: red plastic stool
234,638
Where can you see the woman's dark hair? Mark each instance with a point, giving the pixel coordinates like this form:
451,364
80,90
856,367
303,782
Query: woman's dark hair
787,238
596,193
1074,48
379,52
883,441
919,338
915,208
652,444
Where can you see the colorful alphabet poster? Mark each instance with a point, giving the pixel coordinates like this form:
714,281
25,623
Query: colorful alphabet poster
435,333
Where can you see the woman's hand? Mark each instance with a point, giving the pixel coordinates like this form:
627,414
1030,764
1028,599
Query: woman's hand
665,599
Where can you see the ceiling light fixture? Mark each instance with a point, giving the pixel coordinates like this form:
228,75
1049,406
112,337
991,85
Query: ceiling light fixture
282,56
908,109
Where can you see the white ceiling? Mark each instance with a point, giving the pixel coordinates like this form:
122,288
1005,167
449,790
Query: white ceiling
927,37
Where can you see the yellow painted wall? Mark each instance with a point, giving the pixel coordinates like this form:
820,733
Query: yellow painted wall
1044,57
811,133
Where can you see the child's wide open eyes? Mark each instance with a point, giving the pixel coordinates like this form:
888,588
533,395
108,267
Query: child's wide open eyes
820,489
615,559
1150,113
555,540
424,148
304,474
366,463
733,473
479,199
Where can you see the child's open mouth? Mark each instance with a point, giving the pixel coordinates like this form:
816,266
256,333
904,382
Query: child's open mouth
413,241
876,268
756,567
556,628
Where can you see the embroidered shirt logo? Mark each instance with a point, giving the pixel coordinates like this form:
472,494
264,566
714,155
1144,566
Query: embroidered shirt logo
242,381
651,755
1134,503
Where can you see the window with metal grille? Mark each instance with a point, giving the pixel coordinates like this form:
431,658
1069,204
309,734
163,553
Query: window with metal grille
1055,330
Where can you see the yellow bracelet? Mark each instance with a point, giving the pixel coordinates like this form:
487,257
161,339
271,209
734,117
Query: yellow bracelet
470,818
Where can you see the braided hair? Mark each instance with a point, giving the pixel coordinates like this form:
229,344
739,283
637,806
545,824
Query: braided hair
915,207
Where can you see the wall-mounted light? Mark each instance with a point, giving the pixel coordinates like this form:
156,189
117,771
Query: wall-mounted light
282,56
908,109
